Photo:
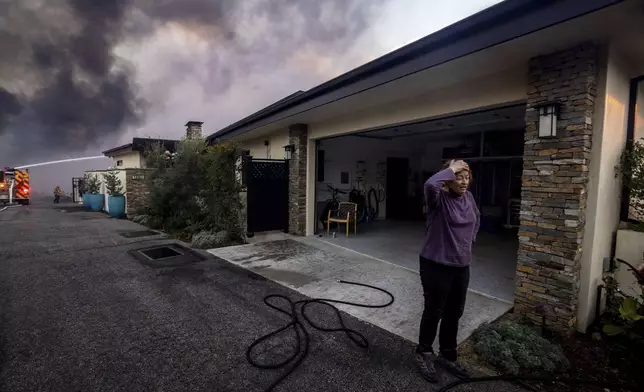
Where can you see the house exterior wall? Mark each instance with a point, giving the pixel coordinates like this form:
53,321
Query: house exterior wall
555,187
131,159
604,188
508,86
569,202
275,149
103,190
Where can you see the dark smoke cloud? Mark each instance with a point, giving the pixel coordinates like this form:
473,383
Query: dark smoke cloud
62,68
63,89
9,107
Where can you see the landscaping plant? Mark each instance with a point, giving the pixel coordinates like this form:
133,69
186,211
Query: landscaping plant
195,190
93,184
113,183
624,315
517,349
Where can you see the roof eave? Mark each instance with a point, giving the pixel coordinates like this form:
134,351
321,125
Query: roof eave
465,33
117,150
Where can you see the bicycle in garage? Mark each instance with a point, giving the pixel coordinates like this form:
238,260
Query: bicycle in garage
331,204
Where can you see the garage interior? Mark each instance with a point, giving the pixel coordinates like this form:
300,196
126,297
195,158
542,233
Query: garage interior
396,161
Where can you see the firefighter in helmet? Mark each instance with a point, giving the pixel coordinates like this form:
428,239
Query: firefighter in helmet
57,193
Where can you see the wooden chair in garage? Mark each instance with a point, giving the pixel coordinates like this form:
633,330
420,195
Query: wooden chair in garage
346,213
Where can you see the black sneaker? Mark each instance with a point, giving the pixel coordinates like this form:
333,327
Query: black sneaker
425,364
453,367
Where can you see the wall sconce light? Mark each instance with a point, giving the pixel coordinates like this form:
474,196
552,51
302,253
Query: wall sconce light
548,113
288,151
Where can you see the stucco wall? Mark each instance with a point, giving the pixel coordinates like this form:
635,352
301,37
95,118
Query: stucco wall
604,189
275,149
494,89
103,189
131,160
509,86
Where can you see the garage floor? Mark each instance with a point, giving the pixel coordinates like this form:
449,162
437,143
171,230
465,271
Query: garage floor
493,267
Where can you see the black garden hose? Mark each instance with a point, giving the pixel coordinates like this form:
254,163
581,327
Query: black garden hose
301,348
302,338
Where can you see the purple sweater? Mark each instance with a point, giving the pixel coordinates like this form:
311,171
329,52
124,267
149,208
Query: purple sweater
452,222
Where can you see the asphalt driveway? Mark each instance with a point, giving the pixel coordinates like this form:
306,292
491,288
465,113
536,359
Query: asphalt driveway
78,313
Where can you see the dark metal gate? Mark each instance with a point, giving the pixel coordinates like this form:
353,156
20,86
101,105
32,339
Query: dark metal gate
267,197
77,189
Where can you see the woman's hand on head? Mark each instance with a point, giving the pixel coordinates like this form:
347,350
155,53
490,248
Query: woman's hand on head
458,165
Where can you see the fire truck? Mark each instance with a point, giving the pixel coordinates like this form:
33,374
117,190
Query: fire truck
14,186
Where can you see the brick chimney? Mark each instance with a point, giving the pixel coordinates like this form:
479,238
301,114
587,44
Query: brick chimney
193,129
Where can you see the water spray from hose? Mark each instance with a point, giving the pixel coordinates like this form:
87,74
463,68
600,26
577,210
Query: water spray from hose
59,161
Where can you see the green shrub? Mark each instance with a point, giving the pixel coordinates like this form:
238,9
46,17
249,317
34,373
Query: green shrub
195,189
516,349
624,314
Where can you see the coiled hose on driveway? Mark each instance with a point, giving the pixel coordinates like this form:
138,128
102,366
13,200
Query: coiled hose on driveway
302,337
302,340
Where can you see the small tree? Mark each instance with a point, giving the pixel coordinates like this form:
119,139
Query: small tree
93,184
113,183
220,188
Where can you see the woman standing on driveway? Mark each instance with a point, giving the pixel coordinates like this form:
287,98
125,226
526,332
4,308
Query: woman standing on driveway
452,225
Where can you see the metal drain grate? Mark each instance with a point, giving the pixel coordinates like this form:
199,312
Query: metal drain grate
166,255
138,233
160,253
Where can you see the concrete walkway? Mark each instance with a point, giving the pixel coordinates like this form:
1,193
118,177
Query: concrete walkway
313,267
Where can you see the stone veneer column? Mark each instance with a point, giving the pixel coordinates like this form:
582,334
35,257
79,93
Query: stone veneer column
298,137
555,176
137,190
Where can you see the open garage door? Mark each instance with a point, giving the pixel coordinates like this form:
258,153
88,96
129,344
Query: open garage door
398,160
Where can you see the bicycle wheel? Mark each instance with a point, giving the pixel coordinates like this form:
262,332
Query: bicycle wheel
362,213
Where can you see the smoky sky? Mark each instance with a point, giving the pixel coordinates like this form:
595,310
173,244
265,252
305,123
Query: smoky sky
65,89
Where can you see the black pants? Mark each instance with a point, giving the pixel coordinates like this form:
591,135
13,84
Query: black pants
445,290
56,199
